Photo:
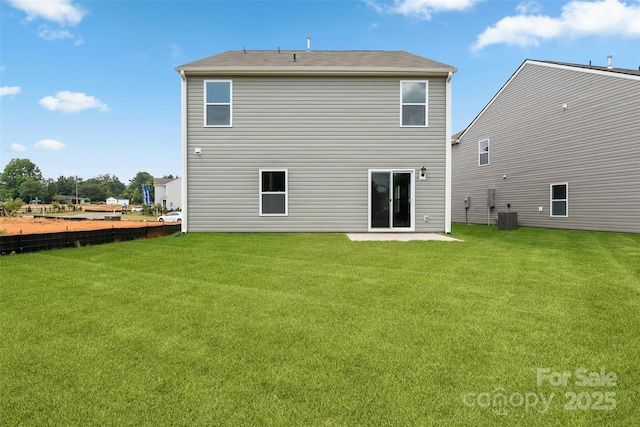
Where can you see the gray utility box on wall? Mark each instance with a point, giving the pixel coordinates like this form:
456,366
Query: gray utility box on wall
507,220
491,197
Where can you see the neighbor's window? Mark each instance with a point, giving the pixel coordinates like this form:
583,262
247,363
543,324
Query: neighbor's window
483,152
273,193
560,199
414,95
217,98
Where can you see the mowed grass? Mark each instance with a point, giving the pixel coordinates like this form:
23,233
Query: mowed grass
313,329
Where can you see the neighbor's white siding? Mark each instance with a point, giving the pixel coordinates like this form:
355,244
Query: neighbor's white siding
327,132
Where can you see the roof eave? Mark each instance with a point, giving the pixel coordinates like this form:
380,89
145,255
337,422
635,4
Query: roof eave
314,71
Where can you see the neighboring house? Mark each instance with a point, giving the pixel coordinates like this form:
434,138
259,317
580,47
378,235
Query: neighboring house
310,141
73,199
117,201
168,192
560,145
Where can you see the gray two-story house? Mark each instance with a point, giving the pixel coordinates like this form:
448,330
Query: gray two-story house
560,145
316,141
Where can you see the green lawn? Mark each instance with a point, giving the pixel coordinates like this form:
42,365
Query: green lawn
312,329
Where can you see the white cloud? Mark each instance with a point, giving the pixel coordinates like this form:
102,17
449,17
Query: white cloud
520,30
18,147
49,34
49,144
421,9
10,90
63,12
528,7
577,19
72,102
602,17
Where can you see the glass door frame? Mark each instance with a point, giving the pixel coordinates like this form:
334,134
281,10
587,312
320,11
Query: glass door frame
412,203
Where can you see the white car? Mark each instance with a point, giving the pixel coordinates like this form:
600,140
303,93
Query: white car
136,209
171,217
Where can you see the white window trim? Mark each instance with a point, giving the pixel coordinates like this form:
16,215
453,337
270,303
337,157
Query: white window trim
551,200
488,152
286,191
230,103
426,104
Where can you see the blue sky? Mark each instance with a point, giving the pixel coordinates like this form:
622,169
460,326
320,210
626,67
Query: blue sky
89,87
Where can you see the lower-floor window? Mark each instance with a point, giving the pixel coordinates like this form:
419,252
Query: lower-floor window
560,199
273,192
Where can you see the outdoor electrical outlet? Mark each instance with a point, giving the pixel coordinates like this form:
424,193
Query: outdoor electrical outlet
426,218
539,208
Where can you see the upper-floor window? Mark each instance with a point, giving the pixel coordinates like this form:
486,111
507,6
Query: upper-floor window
217,99
414,108
273,192
560,199
483,152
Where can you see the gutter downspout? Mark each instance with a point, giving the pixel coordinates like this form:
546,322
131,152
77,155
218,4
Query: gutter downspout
183,149
447,185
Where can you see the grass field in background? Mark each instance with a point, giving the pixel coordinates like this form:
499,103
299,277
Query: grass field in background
313,329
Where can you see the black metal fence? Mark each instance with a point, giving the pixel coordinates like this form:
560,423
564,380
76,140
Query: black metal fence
23,243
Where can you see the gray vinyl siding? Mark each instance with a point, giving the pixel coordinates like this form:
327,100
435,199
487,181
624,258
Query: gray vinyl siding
327,132
593,145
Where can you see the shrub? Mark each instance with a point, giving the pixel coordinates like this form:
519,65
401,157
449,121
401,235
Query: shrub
12,206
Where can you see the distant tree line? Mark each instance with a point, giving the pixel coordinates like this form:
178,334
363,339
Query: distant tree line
22,179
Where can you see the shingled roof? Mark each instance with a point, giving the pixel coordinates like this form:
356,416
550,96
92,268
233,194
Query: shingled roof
162,181
316,62
597,67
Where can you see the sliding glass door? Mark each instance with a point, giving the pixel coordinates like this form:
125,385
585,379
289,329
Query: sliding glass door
391,200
